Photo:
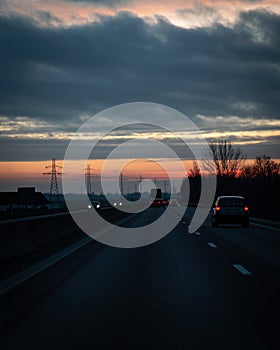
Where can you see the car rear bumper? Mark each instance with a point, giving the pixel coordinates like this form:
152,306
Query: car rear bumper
223,219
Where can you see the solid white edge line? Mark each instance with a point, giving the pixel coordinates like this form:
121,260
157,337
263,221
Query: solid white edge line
242,269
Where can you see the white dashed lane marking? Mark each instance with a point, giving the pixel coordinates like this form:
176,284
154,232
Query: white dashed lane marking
242,269
198,233
212,245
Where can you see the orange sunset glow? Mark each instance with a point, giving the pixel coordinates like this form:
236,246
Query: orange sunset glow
13,174
26,172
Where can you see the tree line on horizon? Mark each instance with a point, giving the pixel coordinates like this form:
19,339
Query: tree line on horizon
258,182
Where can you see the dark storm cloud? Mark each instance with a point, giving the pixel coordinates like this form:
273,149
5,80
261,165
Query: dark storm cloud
35,149
59,73
30,150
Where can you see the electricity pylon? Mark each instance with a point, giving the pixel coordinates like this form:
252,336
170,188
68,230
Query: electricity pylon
88,175
54,192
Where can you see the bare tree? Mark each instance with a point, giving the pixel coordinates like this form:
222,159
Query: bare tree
228,159
265,166
195,170
247,172
191,185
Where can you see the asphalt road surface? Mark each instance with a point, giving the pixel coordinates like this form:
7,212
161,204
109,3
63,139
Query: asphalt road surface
218,288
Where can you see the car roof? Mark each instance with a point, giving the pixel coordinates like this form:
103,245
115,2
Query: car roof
230,197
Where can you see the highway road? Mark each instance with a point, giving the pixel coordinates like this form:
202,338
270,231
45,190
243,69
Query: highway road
217,288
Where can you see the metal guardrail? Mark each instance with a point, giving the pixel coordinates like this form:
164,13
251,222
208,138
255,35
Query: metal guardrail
266,224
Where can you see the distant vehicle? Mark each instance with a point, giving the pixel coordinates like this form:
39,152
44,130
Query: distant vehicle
173,203
117,204
230,210
156,198
95,204
159,202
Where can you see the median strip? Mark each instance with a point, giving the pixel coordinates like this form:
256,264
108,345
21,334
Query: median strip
39,217
20,277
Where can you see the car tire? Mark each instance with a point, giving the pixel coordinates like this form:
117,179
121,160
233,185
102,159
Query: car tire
215,223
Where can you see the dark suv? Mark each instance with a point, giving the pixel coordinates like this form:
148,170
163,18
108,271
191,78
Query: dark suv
230,210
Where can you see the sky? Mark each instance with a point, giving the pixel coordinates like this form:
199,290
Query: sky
218,62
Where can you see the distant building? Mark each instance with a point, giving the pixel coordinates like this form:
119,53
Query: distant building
25,197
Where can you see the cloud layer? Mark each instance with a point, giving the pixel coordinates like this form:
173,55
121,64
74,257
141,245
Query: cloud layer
56,77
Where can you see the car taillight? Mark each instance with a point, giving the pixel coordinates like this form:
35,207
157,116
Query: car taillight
218,208
246,208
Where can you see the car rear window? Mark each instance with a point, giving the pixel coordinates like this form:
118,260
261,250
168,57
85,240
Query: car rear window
231,202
